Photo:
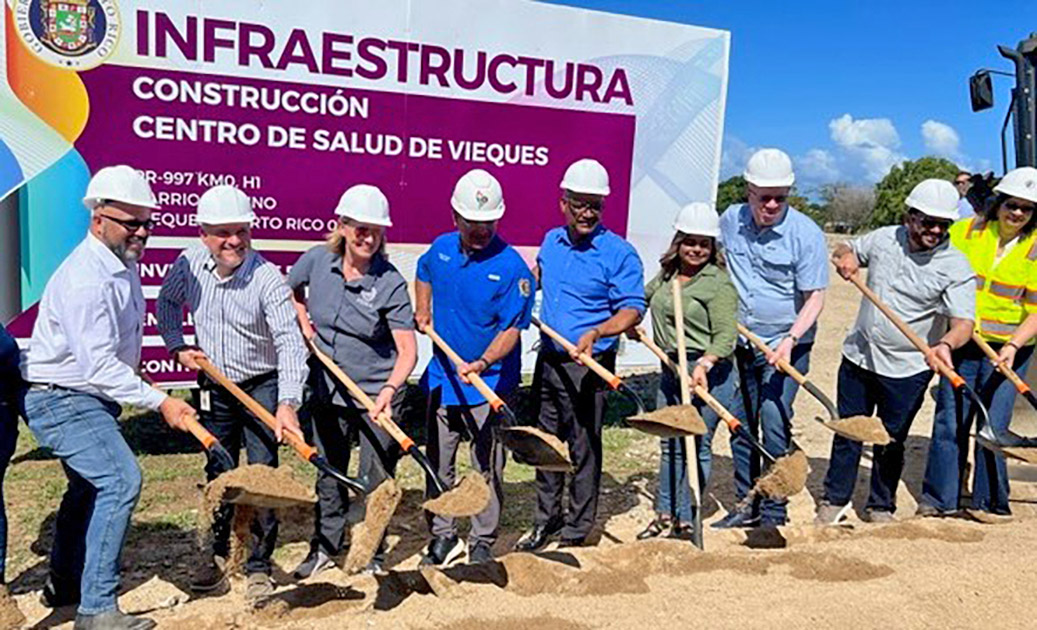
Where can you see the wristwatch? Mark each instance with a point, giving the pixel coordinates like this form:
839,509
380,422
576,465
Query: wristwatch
795,339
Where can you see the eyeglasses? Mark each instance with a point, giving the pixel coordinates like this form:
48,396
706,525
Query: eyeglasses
578,205
1015,205
930,223
131,226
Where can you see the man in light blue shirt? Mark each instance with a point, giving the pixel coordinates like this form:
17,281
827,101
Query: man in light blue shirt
593,290
777,258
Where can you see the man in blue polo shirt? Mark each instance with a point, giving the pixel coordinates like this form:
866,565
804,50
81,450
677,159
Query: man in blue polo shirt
777,258
593,290
481,294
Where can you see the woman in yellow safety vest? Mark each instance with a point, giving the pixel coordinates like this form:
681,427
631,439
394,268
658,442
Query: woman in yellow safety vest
1002,247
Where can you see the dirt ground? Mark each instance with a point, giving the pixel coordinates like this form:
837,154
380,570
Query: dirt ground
911,574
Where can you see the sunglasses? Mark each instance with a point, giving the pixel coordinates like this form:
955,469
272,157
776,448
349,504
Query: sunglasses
930,223
132,225
770,198
594,205
1015,205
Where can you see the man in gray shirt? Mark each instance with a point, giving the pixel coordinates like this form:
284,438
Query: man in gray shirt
913,269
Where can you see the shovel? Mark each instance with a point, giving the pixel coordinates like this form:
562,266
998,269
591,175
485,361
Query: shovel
985,435
1011,441
530,445
668,422
733,424
690,451
469,498
865,429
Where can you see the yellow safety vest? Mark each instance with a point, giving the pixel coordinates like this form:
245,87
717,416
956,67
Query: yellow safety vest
1007,293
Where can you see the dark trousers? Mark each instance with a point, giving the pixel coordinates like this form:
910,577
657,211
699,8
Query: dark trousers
8,440
235,426
572,406
448,425
334,429
895,401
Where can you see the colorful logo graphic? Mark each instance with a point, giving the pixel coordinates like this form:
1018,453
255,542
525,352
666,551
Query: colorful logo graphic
73,34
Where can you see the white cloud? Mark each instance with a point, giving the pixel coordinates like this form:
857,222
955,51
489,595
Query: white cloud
941,139
818,166
870,143
734,154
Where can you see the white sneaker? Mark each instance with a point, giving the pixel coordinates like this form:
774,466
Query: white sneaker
828,514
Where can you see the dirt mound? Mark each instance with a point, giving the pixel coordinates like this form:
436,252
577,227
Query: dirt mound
864,429
537,448
309,601
829,567
366,535
517,623
256,485
911,530
672,421
10,615
467,498
786,477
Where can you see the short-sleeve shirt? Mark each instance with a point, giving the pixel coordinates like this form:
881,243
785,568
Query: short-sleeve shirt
474,297
587,282
354,319
772,267
923,288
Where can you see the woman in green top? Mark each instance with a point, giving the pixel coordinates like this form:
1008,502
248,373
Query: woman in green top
710,302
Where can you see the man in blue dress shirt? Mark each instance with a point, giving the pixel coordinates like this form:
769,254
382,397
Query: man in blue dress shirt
593,290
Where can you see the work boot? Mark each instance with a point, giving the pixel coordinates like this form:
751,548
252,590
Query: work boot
316,562
258,586
480,553
57,593
538,538
112,620
210,575
879,516
736,519
829,514
442,551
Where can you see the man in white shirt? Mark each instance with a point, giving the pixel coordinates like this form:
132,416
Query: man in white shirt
81,365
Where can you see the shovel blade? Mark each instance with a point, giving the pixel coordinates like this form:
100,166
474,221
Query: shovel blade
537,448
244,496
670,422
863,429
467,498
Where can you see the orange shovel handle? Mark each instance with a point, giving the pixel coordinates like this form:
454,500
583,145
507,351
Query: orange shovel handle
606,375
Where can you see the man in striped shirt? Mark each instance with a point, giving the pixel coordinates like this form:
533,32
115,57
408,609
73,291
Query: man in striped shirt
245,325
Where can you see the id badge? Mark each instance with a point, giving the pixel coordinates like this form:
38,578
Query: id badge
206,401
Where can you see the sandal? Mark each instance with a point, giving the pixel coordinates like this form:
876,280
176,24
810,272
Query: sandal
655,528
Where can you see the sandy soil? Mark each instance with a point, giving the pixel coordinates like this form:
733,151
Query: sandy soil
911,574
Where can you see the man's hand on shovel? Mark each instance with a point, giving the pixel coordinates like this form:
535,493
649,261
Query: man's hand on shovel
173,411
287,421
940,354
465,370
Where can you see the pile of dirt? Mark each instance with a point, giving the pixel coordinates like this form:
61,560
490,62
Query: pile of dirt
256,485
10,615
786,477
467,498
864,429
366,535
911,530
240,538
537,448
672,421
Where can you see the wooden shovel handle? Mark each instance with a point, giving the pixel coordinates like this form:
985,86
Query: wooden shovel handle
783,365
682,349
599,369
911,335
382,420
1008,372
301,447
491,396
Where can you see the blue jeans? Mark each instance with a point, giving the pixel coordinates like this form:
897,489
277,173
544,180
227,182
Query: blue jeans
942,484
104,483
896,401
674,496
766,404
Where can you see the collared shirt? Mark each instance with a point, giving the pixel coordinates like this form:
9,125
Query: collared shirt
587,282
709,302
772,267
474,297
923,288
244,323
90,328
354,319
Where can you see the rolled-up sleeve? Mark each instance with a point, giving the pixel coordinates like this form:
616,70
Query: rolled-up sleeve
169,308
626,282
92,333
291,349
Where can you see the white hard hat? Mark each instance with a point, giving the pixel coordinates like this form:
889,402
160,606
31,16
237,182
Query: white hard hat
586,176
698,218
936,198
119,183
224,204
769,168
366,204
1020,182
478,196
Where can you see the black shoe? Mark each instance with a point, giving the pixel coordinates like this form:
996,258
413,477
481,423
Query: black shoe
480,553
655,528
540,536
737,519
112,620
442,551
572,542
54,596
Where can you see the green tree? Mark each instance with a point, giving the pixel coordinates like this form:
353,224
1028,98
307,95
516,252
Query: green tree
732,191
894,187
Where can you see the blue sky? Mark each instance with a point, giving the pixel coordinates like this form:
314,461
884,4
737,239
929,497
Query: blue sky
848,89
